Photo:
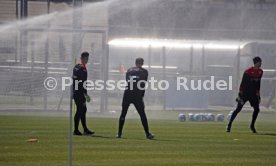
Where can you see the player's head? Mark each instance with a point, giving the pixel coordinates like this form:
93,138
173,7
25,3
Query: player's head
257,62
84,57
139,62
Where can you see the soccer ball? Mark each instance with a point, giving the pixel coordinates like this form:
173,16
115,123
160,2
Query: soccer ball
211,117
220,117
181,117
229,115
198,117
191,117
205,117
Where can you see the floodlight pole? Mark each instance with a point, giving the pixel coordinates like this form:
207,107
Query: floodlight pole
77,26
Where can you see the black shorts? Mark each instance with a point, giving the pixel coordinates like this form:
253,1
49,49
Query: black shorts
79,98
133,98
253,100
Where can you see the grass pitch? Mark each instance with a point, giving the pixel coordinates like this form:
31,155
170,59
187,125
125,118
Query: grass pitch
177,143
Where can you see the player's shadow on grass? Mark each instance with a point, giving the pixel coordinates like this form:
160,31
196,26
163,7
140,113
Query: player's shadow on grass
100,136
154,139
110,137
267,134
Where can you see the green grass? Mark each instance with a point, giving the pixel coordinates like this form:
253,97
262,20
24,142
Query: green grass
177,143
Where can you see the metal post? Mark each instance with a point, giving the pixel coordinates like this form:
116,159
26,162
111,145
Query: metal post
104,73
70,127
149,66
61,49
25,11
149,58
191,60
203,61
76,46
45,98
48,6
17,33
23,45
238,66
23,8
77,25
16,9
32,74
242,14
16,46
164,75
23,34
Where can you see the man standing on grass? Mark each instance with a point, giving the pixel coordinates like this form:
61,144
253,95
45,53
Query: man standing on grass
80,94
249,91
136,78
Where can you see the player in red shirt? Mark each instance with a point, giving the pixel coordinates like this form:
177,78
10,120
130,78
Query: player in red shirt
249,91
80,95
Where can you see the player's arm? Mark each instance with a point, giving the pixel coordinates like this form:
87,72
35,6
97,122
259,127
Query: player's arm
87,97
244,82
85,87
127,76
76,73
75,76
147,74
127,79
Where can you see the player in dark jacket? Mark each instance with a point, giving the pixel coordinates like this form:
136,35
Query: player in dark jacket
136,78
80,94
249,91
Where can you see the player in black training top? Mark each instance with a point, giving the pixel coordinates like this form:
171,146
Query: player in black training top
80,94
136,78
249,91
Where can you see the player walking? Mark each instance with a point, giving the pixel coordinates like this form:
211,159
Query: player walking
249,91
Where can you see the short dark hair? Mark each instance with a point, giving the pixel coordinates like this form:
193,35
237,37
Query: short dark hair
84,54
257,59
139,61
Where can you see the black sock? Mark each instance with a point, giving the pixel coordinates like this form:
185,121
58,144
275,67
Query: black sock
234,114
254,116
76,121
121,125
